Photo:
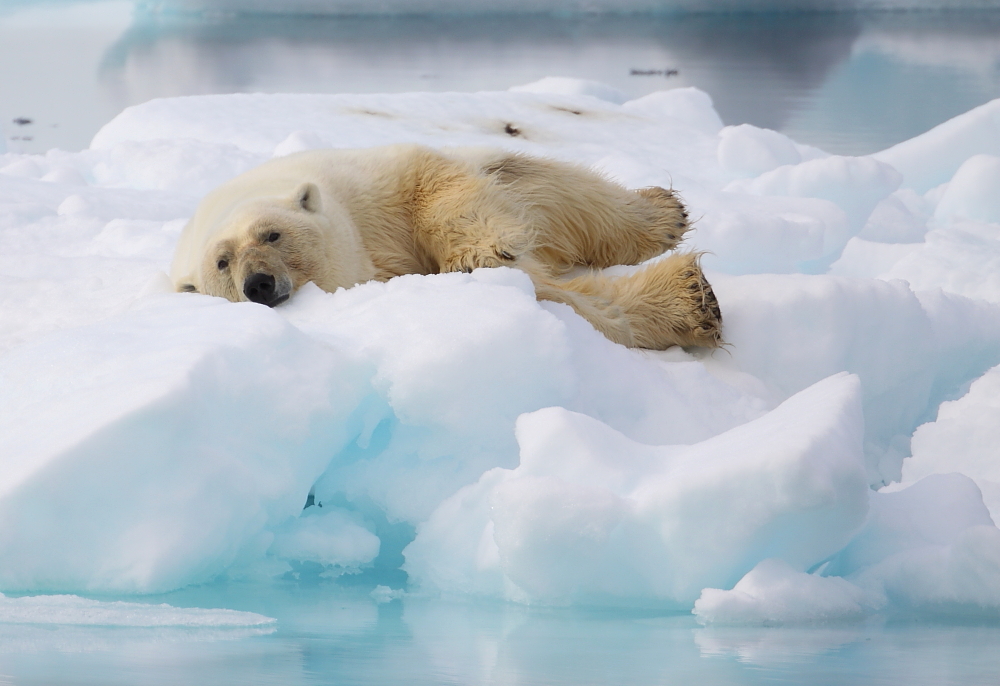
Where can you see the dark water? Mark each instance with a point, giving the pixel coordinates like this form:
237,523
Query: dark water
847,82
329,637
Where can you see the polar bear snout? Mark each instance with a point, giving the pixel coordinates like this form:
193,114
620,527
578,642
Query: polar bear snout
262,288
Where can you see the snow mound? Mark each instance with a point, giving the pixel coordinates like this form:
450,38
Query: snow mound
927,549
747,151
972,192
590,516
793,330
963,438
690,106
930,548
932,158
166,441
854,184
444,351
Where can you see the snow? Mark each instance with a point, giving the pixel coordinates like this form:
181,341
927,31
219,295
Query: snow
965,437
590,516
747,151
132,428
930,548
497,446
564,86
933,157
971,193
855,184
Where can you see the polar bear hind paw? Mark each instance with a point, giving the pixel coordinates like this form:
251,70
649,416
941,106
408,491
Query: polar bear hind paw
708,331
670,302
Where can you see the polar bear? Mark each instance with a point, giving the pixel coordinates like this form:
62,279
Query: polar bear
343,217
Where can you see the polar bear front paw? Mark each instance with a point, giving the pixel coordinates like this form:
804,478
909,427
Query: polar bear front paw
479,257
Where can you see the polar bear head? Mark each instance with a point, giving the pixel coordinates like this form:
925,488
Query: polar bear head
261,249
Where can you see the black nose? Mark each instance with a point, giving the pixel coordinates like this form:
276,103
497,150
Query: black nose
259,288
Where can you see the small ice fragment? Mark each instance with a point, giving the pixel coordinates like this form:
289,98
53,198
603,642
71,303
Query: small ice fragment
774,593
383,594
74,610
298,141
566,86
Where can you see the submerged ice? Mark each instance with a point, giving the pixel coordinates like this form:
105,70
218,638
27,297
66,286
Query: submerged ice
452,427
69,610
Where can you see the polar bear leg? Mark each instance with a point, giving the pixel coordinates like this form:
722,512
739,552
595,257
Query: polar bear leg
591,298
671,303
583,218
465,221
664,304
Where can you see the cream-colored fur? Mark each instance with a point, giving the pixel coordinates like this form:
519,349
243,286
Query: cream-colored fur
342,217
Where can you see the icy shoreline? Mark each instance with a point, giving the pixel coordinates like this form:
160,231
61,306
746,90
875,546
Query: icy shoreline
154,440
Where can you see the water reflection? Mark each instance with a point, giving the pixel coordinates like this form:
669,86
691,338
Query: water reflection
326,635
754,65
848,82
777,646
906,72
759,68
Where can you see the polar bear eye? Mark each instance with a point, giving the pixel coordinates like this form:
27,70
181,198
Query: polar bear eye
273,237
222,264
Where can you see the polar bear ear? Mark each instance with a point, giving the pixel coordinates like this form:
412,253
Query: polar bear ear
307,196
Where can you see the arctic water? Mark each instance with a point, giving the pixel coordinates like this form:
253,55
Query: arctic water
326,637
849,83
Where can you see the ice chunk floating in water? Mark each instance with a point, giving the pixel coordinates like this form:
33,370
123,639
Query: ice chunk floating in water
448,434
76,611
775,593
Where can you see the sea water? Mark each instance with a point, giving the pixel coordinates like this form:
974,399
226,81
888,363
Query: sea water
330,635
850,83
